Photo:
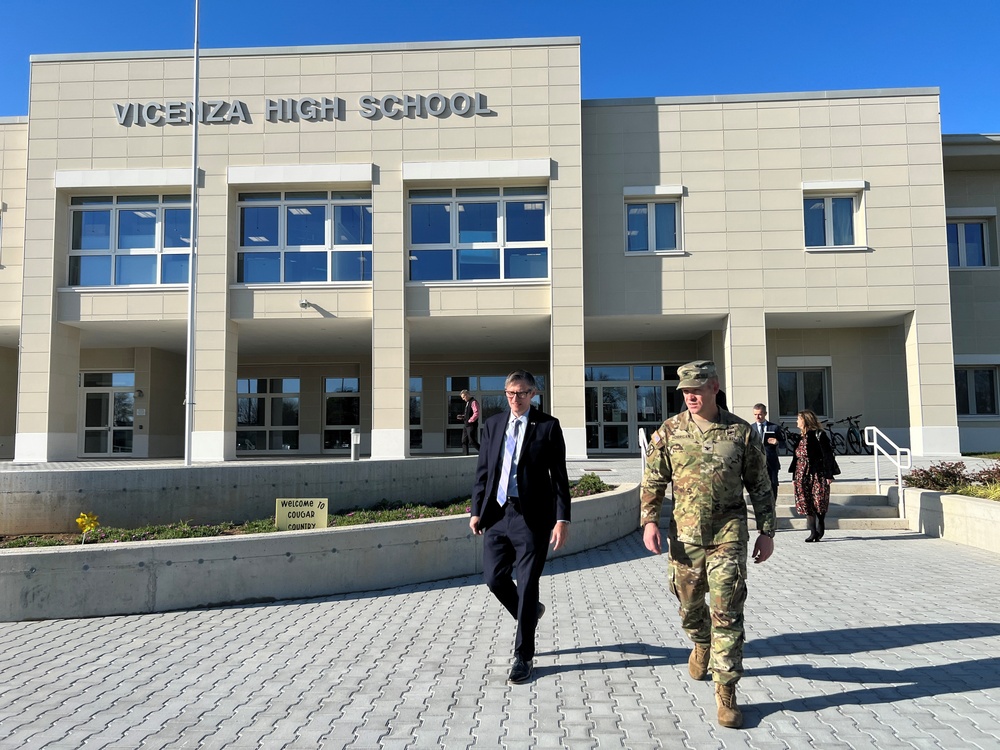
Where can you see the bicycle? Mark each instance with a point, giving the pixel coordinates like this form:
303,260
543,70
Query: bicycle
836,439
789,440
854,437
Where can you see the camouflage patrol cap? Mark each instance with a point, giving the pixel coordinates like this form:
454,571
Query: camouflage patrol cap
696,374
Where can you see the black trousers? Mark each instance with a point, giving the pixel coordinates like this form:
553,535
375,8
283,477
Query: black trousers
772,472
510,547
470,435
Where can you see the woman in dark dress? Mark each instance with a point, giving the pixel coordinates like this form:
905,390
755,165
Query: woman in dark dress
813,468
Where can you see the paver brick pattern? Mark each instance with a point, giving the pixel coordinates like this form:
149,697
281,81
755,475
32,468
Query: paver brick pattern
866,640
876,640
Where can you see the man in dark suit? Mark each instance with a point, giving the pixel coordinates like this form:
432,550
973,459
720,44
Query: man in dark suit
770,436
520,503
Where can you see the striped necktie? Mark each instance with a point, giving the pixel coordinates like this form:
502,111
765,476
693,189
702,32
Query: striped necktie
508,458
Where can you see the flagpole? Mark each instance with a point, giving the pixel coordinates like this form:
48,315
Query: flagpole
193,260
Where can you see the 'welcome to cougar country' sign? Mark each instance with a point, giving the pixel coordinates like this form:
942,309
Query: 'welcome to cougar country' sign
306,109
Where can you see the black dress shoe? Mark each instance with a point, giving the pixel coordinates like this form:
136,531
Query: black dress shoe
520,672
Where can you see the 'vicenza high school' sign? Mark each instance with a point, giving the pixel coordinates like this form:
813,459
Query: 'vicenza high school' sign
307,109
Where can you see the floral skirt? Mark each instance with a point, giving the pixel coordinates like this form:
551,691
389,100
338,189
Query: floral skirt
812,492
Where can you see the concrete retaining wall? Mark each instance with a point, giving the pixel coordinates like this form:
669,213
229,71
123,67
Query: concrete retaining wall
140,577
957,518
47,502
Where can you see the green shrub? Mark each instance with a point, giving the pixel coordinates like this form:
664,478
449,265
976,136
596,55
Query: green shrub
589,484
989,475
945,476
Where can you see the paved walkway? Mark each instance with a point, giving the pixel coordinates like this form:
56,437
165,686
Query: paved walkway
866,640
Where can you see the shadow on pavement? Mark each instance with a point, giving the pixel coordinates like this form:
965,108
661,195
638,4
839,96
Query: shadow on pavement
890,685
647,656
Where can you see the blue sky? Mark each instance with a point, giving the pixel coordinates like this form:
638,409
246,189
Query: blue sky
633,48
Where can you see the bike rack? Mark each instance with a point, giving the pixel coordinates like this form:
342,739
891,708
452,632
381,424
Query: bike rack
872,435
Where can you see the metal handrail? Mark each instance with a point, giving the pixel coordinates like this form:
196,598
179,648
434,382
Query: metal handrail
872,435
643,447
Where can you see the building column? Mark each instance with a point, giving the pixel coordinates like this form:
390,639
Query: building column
216,344
567,354
49,357
48,389
390,437
930,379
213,432
745,361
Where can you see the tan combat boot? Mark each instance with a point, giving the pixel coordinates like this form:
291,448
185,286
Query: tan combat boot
729,713
698,661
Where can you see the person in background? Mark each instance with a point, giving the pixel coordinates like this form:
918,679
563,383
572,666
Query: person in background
813,468
520,504
470,432
770,435
710,456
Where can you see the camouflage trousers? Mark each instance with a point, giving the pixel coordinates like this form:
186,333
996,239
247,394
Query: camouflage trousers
720,572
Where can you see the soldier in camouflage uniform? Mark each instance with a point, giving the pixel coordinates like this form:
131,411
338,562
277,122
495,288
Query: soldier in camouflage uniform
710,455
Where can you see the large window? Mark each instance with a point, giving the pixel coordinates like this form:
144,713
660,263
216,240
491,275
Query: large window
416,414
620,398
129,240
473,234
829,221
305,237
651,226
834,215
803,389
342,397
267,414
489,392
968,244
976,390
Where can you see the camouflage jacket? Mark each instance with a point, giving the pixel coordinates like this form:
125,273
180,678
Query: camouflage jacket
709,472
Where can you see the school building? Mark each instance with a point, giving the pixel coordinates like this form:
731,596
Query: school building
382,226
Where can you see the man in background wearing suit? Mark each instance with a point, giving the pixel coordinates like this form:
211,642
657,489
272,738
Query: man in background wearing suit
520,503
770,435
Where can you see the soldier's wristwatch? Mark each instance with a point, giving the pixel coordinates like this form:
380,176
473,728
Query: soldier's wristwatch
768,533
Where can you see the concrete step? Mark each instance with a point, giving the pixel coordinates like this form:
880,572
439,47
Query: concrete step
843,511
856,524
838,488
842,499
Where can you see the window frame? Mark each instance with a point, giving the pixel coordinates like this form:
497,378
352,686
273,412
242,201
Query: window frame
800,391
652,196
114,205
969,372
328,394
989,257
269,396
828,191
454,198
286,202
488,390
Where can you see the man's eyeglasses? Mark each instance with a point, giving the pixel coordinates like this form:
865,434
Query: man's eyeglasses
517,394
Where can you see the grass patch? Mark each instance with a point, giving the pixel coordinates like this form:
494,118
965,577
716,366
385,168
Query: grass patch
588,484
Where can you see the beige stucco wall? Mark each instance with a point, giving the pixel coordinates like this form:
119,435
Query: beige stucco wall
13,160
742,162
533,90
975,305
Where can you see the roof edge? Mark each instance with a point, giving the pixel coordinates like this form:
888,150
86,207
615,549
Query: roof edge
766,97
14,120
554,41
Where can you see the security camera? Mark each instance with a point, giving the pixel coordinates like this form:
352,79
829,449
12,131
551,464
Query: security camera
303,303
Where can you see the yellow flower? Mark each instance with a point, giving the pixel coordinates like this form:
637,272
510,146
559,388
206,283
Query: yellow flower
87,522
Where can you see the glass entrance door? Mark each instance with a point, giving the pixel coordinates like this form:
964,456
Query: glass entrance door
107,413
622,398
